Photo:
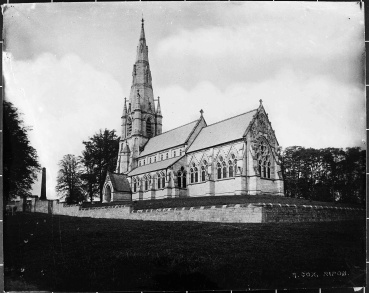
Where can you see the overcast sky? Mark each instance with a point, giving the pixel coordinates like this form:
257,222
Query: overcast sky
68,67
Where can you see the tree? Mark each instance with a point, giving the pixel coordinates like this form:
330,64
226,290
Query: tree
69,182
329,174
20,158
99,157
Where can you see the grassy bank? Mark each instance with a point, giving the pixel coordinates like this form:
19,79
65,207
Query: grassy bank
45,252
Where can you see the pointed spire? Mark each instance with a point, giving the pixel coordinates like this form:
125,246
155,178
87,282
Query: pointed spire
158,109
142,36
142,51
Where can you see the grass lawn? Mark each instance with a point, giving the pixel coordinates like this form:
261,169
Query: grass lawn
219,200
59,253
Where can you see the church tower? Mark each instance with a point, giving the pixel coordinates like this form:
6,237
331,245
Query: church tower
141,120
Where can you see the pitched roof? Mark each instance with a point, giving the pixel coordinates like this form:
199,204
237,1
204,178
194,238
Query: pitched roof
120,182
155,166
223,131
169,139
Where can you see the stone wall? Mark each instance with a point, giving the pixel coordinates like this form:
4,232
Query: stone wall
114,212
308,213
224,214
232,213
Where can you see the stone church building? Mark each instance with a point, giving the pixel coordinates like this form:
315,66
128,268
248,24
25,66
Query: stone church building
236,156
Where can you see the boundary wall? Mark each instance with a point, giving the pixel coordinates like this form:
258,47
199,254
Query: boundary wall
232,213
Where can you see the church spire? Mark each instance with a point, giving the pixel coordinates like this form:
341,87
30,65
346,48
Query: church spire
142,50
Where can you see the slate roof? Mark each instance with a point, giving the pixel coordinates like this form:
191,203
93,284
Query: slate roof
169,139
119,182
221,132
154,166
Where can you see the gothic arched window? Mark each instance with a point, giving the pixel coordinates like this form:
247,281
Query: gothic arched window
181,178
219,170
158,181
196,175
162,179
146,183
191,175
134,184
129,126
224,169
230,168
148,127
233,157
203,177
263,157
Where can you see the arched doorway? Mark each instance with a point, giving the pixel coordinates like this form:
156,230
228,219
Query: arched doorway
107,193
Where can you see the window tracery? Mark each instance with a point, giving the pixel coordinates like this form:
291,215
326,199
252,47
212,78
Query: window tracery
264,159
147,182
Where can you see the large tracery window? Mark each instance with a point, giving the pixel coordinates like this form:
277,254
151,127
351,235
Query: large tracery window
264,159
148,127
226,168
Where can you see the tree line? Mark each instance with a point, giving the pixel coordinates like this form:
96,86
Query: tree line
327,174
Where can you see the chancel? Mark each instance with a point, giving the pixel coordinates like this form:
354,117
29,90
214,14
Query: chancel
236,156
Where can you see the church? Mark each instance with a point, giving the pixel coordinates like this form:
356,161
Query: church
236,156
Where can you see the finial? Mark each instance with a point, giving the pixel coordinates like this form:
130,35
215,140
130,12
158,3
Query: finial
201,111
261,101
142,20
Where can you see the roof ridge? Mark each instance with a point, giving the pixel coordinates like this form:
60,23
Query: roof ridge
229,118
175,128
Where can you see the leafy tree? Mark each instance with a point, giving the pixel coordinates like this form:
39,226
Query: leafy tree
329,174
99,157
69,182
20,158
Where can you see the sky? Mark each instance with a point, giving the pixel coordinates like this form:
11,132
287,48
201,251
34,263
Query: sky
68,67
